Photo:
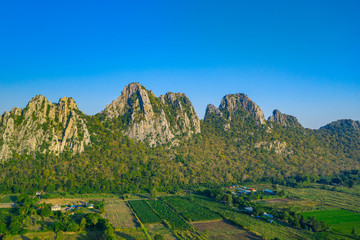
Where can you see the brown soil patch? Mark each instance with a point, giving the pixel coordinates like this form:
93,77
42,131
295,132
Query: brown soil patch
223,230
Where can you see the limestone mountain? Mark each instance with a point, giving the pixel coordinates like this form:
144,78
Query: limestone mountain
151,119
235,107
43,126
284,119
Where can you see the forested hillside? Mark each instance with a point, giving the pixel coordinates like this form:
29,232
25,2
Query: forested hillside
233,143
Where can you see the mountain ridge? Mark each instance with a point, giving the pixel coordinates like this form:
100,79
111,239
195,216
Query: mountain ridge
144,116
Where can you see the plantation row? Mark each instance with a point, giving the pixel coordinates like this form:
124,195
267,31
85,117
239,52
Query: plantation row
191,210
169,216
144,212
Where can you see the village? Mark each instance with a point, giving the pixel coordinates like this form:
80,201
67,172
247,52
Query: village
248,193
69,205
238,190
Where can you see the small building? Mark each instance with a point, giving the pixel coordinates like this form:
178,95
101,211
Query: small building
38,193
249,209
56,208
269,192
90,205
252,189
268,215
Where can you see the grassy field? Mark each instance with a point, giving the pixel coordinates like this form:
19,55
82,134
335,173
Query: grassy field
190,210
223,230
327,197
144,212
159,228
250,223
119,215
130,234
341,221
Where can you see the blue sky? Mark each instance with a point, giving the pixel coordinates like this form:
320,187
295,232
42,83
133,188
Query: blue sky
301,57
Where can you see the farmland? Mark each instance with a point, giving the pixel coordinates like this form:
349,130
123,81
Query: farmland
223,230
250,223
341,221
144,212
334,199
160,228
120,215
190,210
168,215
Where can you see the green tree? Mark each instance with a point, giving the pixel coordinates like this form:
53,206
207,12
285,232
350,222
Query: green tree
82,224
159,237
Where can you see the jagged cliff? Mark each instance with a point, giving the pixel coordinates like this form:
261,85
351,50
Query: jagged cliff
235,106
284,119
43,126
151,119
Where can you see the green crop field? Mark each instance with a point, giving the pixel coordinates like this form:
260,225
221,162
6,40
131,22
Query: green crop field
144,212
252,224
339,220
191,210
168,215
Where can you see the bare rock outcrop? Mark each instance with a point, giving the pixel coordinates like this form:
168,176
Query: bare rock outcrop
284,119
43,126
242,103
153,120
279,148
234,106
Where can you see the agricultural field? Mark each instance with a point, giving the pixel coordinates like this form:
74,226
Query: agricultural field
250,223
297,205
144,212
222,230
340,221
160,228
330,198
190,210
8,199
168,215
130,234
119,215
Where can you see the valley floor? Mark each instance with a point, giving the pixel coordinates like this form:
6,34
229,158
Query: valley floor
198,217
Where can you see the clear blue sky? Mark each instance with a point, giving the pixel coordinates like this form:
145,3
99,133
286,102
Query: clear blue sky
301,57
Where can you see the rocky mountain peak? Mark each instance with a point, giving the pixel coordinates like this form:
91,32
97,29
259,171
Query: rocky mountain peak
211,109
284,119
151,119
43,126
240,102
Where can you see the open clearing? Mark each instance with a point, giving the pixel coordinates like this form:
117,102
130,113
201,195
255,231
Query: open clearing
340,220
119,215
327,197
295,204
159,228
66,201
130,234
223,230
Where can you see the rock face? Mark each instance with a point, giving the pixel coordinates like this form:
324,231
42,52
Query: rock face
153,120
279,148
284,119
43,126
234,106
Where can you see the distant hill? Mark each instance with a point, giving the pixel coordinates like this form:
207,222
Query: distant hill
141,142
